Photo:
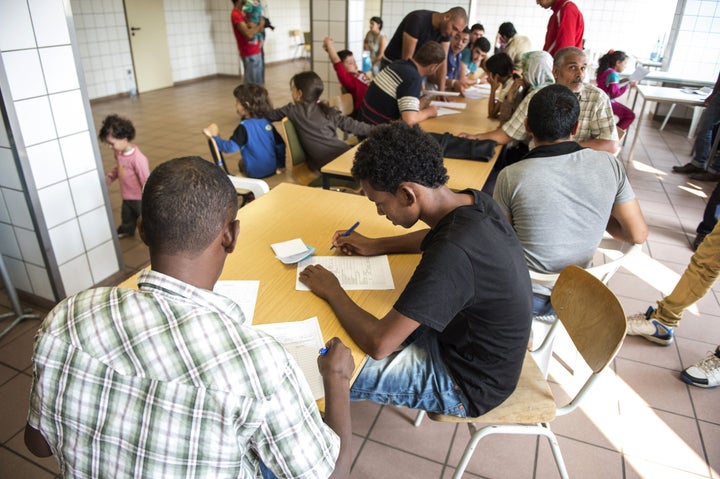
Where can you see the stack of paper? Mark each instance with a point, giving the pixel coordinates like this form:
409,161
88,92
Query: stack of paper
448,104
303,340
292,251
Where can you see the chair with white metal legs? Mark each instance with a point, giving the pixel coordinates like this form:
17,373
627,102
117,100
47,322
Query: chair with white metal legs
595,321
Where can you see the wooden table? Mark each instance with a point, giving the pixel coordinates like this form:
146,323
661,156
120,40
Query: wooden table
661,94
291,211
463,173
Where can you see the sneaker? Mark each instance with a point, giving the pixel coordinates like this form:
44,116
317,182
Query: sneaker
705,373
651,329
687,168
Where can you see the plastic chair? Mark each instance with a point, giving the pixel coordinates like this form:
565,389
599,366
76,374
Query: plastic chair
595,321
295,158
343,102
297,43
248,188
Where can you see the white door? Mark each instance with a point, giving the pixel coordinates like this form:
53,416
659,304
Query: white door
148,43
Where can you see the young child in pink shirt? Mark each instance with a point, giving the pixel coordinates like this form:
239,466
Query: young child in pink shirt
132,169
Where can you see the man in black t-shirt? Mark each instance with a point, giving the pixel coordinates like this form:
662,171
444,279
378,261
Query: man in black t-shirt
423,26
455,340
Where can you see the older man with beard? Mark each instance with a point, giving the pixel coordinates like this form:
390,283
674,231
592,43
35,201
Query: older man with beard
596,125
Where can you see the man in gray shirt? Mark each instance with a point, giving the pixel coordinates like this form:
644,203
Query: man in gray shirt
561,197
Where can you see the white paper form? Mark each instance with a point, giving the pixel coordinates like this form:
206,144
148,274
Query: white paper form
354,272
244,293
448,104
441,93
446,111
639,73
303,340
474,93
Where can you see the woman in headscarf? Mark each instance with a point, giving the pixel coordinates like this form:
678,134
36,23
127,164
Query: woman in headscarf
537,72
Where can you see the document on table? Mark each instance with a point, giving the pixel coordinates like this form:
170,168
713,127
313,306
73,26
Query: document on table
244,293
448,104
303,340
446,111
353,272
475,93
639,73
441,93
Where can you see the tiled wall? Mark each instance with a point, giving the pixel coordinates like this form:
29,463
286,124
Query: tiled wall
55,231
697,51
200,39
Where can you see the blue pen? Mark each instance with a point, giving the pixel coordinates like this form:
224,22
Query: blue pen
348,231
323,351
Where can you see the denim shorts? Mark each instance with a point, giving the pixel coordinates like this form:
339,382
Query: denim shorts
414,376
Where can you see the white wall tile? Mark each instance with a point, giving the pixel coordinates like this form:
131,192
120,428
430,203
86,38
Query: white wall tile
40,281
49,22
86,192
57,64
78,153
18,208
66,241
36,120
56,203
29,246
24,74
46,163
4,139
8,242
18,274
95,227
103,261
4,213
76,275
69,112
16,31
9,177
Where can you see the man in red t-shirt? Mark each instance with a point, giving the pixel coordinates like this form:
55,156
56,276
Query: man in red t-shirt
250,48
566,26
354,81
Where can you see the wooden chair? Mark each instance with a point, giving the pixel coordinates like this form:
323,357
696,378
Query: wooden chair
295,158
595,321
248,188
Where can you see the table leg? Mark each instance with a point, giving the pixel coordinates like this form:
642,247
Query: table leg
326,181
697,113
637,130
667,117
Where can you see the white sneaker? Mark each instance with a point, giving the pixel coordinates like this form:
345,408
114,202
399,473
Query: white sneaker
705,373
651,329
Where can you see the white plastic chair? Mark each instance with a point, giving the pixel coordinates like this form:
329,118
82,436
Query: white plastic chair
594,319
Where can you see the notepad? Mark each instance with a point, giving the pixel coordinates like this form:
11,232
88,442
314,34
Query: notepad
292,251
353,272
303,340
447,111
244,293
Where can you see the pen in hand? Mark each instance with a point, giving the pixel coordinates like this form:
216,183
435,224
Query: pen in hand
323,351
348,231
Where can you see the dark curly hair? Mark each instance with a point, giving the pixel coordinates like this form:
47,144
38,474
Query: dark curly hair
254,98
395,153
552,113
609,59
117,126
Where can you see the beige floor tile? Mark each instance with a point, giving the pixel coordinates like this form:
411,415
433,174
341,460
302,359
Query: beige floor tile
651,386
6,374
364,414
581,459
377,460
18,353
638,468
17,467
17,445
711,437
497,455
14,397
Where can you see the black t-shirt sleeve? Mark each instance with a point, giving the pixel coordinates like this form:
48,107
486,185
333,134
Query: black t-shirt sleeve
441,286
240,136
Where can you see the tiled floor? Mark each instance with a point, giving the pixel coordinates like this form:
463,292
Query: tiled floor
642,421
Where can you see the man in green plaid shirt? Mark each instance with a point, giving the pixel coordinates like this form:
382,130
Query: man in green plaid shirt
167,381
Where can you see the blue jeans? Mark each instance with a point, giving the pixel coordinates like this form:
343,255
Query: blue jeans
703,141
254,69
542,305
414,377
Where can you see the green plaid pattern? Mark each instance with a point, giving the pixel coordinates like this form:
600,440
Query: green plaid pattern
596,117
168,382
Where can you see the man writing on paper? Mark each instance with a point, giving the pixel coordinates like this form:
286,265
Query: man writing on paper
167,381
455,340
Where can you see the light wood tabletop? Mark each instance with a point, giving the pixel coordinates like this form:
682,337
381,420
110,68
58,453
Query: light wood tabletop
463,173
312,214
